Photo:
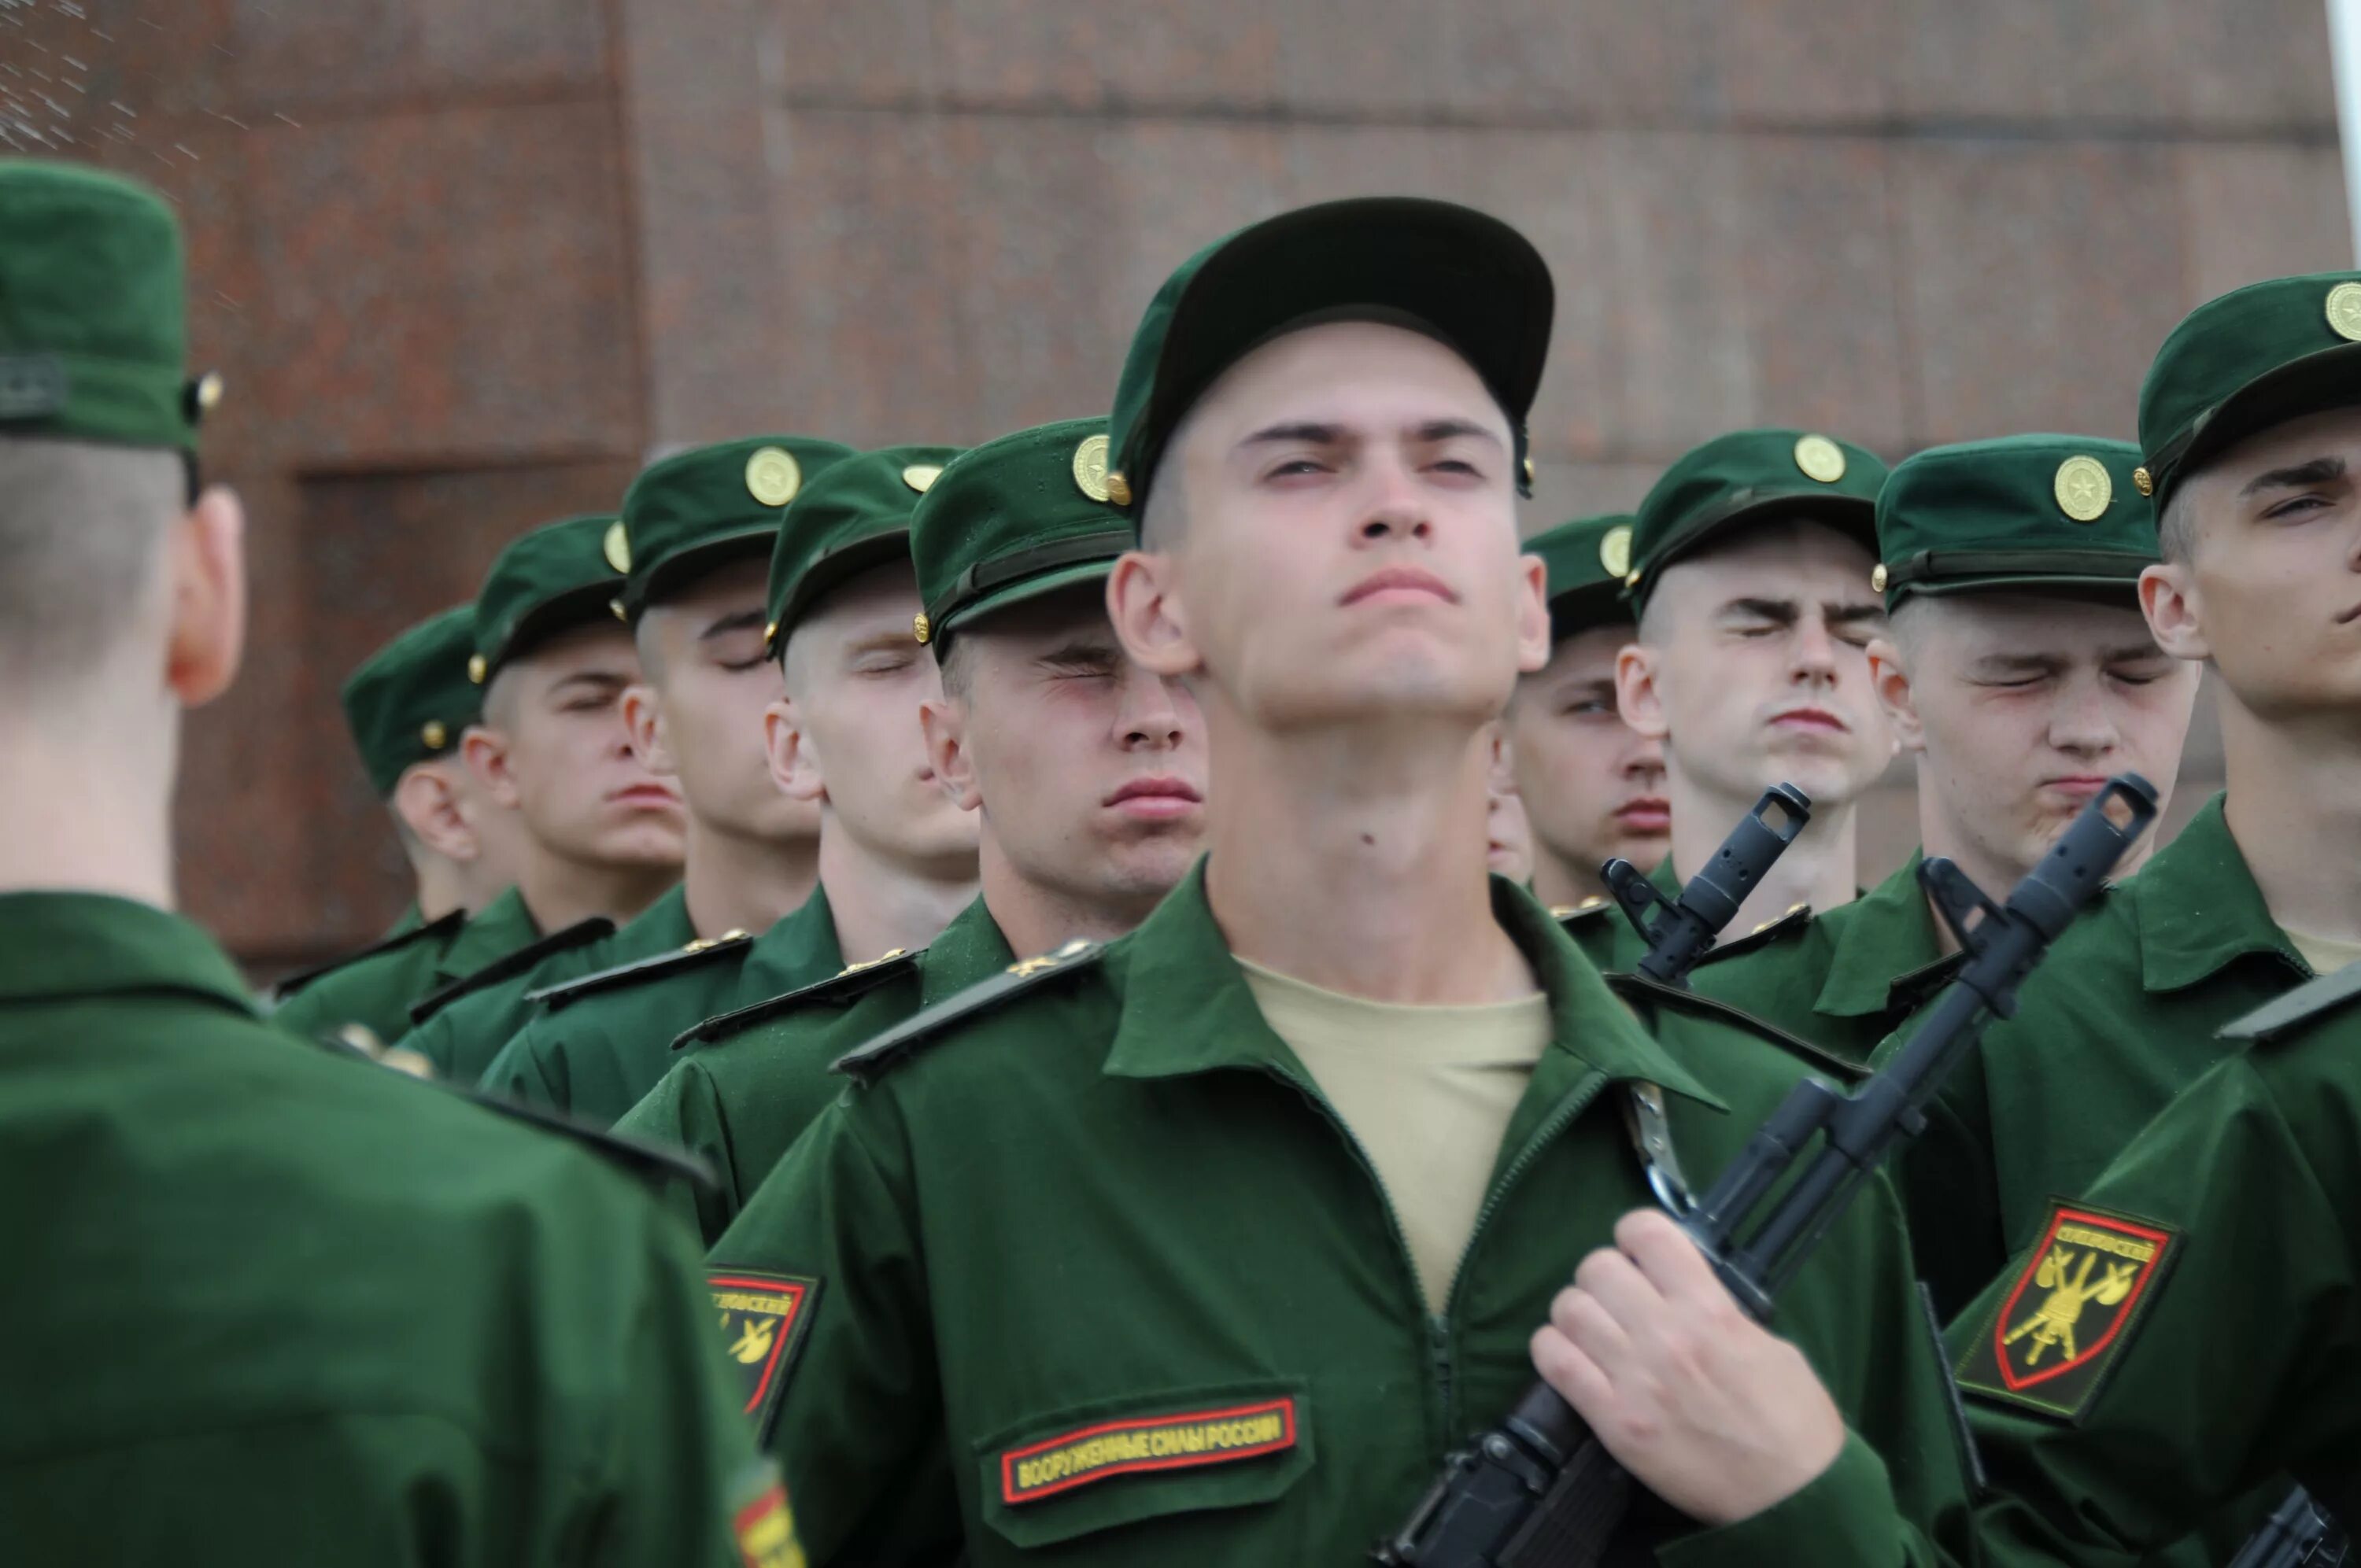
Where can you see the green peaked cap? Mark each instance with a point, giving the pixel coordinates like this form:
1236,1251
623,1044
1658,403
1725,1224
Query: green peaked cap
1587,560
1013,520
1749,477
552,580
697,510
2258,357
2057,512
410,700
1462,276
93,334
854,516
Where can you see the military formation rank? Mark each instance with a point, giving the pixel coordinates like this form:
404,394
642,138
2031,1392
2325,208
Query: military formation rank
2059,1331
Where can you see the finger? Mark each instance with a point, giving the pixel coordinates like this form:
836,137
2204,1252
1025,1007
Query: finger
1576,1378
1577,1315
1667,1259
1621,1290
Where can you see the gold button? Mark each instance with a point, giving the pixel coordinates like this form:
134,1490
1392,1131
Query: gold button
2141,482
209,390
1118,489
1877,578
1529,473
435,735
615,608
920,626
618,547
475,668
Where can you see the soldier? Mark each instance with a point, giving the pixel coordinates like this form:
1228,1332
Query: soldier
267,1304
1593,786
1086,774
896,858
2118,1435
2018,667
407,706
693,542
1750,580
1203,1245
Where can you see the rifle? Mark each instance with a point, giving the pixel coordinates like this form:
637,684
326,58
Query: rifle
1685,930
2299,1531
1539,1488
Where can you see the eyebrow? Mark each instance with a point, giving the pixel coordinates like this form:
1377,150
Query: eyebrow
1313,432
600,680
882,641
729,625
1083,651
2319,471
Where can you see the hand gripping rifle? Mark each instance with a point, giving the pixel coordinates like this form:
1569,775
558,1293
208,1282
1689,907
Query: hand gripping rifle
1540,1490
1683,931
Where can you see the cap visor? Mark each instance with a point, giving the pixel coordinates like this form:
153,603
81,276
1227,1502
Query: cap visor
682,567
1025,592
2328,380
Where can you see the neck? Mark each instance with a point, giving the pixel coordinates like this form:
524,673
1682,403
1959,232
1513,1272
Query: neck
1817,869
879,904
1036,918
1351,858
442,888
1561,882
744,881
88,812
559,892
2295,815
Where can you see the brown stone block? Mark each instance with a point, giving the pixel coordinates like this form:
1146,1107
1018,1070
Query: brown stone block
454,282
338,53
1797,61
1564,491
1052,52
2251,212
2037,282
152,59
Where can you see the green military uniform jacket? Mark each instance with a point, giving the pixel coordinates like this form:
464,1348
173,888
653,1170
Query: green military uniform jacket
2120,1017
1844,980
2184,1329
373,989
1101,1264
750,1081
599,1043
462,1037
271,1304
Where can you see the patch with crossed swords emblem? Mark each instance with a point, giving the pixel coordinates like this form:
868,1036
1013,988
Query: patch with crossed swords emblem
2081,1291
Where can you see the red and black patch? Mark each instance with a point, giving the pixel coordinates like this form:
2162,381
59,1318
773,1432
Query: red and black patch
1125,1447
2073,1307
766,1531
763,1322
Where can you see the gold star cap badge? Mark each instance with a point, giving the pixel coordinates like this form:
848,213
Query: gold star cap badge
773,477
618,547
2142,482
1877,578
1091,467
1615,551
2085,488
920,626
2344,306
921,477
435,735
1820,459
477,668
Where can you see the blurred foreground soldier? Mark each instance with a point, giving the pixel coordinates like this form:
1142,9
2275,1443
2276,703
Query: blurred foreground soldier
1750,577
1085,772
1593,786
407,706
694,540
896,857
267,1304
2019,669
1202,1245
602,833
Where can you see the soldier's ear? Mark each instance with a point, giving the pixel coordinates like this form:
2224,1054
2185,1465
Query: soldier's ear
1532,615
644,722
486,753
944,723
2175,609
205,558
1149,616
794,761
1890,679
429,806
1637,696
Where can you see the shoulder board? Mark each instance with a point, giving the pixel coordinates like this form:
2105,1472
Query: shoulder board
838,990
1794,923
866,1063
705,950
447,925
510,967
1637,988
1572,916
652,1163
2312,999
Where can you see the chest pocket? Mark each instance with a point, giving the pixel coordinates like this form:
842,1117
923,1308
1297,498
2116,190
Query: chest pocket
1090,1467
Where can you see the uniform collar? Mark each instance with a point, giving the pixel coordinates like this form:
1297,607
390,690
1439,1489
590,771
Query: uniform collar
971,946
60,946
2196,909
493,932
801,949
1885,948
1186,1008
662,927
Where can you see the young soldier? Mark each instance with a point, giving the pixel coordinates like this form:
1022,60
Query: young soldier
407,706
382,1298
1204,1245
2105,1427
896,857
1751,560
602,833
2020,671
1085,773
693,542
1593,786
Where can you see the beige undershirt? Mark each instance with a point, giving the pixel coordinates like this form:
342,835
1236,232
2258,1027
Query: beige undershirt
1427,1090
2326,955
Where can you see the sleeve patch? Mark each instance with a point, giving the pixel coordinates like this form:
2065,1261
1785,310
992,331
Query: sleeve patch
766,1528
2082,1292
763,1316
1183,1441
